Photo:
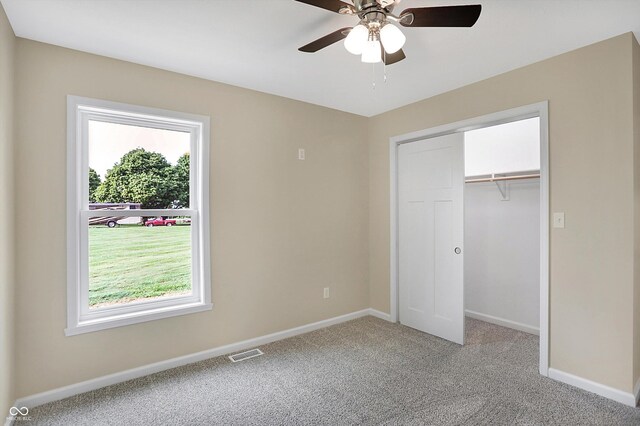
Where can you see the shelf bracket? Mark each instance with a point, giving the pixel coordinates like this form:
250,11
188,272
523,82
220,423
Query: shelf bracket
502,187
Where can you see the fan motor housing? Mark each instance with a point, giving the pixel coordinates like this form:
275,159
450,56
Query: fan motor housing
366,6
374,21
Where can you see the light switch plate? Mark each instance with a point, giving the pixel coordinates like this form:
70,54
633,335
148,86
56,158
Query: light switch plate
558,220
301,154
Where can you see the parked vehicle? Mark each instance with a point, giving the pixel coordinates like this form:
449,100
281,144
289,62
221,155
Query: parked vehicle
160,221
113,221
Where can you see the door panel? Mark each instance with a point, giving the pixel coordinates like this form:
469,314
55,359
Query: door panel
444,300
431,220
417,295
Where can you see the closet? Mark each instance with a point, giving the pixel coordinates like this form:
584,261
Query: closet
502,224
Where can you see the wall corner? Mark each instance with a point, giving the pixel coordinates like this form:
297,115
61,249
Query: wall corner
635,75
7,215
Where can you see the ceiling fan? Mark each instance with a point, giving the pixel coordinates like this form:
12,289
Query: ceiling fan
375,37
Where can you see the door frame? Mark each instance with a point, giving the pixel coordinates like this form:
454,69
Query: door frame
541,110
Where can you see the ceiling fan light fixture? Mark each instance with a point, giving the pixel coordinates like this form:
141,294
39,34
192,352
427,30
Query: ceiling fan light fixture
375,37
372,53
392,38
356,40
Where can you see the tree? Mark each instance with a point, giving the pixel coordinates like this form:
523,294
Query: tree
94,182
182,181
140,177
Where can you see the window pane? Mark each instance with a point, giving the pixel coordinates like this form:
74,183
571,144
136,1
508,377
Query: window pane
138,259
142,165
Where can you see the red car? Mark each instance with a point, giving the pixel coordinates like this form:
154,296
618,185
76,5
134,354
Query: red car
159,221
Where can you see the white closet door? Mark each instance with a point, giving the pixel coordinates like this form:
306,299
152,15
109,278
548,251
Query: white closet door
430,235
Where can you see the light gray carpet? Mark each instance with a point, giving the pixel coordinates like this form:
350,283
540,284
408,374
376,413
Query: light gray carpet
365,371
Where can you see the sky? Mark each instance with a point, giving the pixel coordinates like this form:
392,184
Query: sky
108,142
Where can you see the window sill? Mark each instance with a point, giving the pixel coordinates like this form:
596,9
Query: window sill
135,318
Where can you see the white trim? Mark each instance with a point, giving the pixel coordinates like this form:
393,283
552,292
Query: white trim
540,109
636,392
111,379
626,398
503,322
80,318
136,318
543,111
393,236
378,314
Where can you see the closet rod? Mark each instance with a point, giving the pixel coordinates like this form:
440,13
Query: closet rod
500,178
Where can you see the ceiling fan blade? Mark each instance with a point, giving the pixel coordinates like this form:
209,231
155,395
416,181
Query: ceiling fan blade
441,16
392,58
325,41
332,5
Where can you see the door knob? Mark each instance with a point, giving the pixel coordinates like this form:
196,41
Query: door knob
457,250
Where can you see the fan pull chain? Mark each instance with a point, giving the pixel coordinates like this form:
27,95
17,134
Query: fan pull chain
373,76
384,67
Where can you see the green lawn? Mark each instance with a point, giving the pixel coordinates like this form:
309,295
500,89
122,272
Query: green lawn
130,263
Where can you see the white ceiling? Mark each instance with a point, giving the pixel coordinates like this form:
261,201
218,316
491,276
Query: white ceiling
253,43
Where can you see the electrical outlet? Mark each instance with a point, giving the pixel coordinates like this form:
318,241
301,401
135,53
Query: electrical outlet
301,154
326,292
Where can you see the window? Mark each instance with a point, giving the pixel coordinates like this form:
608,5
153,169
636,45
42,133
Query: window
137,219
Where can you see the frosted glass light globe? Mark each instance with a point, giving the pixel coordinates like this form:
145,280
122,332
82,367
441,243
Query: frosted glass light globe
372,53
356,39
392,38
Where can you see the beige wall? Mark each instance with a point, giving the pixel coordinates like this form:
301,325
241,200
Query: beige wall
7,282
591,175
636,147
282,229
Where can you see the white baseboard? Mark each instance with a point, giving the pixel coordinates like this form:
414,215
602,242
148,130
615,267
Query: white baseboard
503,322
145,370
626,398
378,314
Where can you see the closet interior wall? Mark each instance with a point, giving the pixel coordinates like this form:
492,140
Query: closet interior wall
502,225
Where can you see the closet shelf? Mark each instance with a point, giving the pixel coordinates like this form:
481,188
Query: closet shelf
502,180
494,178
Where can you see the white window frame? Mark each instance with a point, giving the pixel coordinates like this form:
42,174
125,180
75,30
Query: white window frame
80,319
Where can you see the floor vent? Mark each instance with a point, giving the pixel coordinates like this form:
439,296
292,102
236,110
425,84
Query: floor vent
245,355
